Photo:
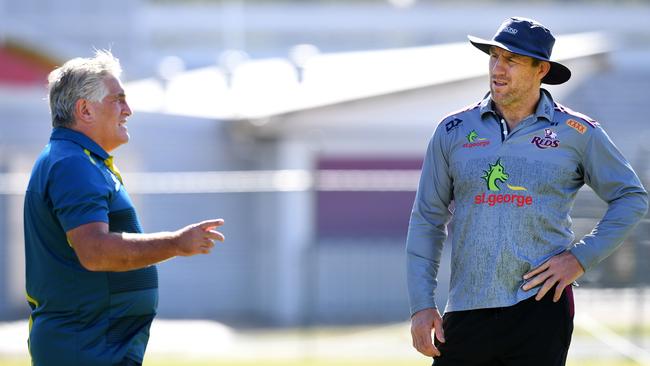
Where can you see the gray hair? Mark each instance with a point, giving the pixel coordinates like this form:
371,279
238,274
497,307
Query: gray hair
79,78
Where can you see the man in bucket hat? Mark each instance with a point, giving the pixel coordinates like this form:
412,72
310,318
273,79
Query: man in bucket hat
512,165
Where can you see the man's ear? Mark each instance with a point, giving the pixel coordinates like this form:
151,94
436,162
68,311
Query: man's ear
544,68
83,110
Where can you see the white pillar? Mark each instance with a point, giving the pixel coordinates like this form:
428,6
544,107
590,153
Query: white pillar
294,234
15,259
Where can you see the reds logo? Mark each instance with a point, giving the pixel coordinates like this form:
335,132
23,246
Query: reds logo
549,134
549,139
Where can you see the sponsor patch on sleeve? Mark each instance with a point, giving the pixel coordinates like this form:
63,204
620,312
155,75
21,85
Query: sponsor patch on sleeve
453,124
576,125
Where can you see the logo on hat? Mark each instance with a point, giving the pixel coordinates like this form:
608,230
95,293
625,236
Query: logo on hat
510,30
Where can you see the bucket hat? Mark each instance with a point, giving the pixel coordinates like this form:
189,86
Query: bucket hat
529,38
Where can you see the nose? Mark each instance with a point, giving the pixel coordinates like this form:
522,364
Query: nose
496,65
126,109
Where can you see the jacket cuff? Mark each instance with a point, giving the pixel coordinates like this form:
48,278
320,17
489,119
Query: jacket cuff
425,305
583,254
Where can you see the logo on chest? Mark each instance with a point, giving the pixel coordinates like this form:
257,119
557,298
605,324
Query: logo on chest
473,140
549,140
495,176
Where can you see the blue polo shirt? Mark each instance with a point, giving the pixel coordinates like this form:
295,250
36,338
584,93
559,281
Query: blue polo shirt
80,317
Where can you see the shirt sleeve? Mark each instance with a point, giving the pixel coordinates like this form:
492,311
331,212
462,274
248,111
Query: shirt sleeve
78,192
428,225
609,174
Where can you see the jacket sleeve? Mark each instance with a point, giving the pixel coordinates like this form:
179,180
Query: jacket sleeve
612,178
428,224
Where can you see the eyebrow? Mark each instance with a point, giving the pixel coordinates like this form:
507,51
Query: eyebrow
504,53
508,54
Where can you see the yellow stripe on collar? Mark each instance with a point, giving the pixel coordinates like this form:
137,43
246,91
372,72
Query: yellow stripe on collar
87,152
111,166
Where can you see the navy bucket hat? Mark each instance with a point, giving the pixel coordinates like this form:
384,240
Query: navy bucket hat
529,38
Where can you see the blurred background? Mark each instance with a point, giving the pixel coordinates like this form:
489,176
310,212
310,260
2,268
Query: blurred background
303,124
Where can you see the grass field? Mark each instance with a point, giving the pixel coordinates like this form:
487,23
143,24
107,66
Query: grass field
171,362
617,342
25,362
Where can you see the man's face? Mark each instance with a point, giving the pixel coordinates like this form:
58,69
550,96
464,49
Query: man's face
513,78
110,116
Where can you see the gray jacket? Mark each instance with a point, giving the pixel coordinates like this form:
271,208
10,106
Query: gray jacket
510,194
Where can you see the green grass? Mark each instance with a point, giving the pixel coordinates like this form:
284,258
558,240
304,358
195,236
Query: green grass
624,330
334,359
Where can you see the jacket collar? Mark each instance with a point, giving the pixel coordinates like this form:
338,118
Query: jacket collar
545,106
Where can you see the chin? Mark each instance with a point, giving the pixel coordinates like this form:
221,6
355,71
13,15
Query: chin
500,97
119,142
497,97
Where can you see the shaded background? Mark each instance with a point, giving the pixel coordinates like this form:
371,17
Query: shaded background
303,124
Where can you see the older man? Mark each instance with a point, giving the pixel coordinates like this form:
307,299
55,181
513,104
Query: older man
92,282
512,164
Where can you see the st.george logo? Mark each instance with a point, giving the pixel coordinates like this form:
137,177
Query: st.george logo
495,176
473,140
496,173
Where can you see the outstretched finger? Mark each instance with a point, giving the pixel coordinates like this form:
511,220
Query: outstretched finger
215,235
210,224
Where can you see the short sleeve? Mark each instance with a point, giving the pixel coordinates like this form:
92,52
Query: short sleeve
78,192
